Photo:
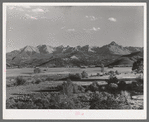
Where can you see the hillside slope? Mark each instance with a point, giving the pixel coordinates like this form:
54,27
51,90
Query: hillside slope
74,56
127,60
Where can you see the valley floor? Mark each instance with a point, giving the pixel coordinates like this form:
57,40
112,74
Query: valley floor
28,88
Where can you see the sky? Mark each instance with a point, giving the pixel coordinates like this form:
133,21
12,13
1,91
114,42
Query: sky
73,26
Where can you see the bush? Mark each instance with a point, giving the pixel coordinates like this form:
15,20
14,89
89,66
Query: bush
49,78
81,89
20,81
25,105
112,79
111,72
67,87
75,88
98,74
104,100
116,72
102,67
122,85
20,103
10,103
38,81
64,102
37,70
55,77
84,74
45,70
112,87
139,80
76,76
113,84
93,87
138,65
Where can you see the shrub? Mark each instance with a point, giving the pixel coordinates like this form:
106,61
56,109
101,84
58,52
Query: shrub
84,74
37,70
10,103
68,87
138,65
111,72
76,76
81,89
55,77
98,74
20,103
60,87
138,85
112,79
93,87
106,73
25,105
104,100
37,81
103,88
102,67
70,103
112,87
122,85
64,102
139,79
42,103
45,70
75,88
116,72
20,81
49,78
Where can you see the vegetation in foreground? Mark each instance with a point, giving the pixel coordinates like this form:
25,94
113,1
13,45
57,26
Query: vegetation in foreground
114,95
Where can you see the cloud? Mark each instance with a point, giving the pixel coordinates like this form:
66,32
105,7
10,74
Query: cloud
92,29
30,17
92,18
112,19
95,29
62,27
37,10
71,29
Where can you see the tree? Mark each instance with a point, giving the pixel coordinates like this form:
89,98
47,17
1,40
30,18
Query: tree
138,65
84,74
102,67
68,87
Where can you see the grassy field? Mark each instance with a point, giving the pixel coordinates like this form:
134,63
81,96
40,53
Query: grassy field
42,82
30,71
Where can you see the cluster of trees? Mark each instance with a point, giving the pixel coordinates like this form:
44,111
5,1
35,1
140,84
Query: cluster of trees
138,65
93,96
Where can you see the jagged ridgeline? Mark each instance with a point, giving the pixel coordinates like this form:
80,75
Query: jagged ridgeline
48,56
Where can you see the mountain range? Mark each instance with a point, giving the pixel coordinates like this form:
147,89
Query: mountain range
45,55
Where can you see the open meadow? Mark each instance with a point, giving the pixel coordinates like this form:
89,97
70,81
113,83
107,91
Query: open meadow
30,71
23,83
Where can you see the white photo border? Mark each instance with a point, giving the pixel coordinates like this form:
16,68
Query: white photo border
71,114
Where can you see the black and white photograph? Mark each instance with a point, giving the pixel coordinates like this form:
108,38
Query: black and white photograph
74,60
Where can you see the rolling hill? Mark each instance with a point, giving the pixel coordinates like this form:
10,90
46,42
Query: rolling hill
127,60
